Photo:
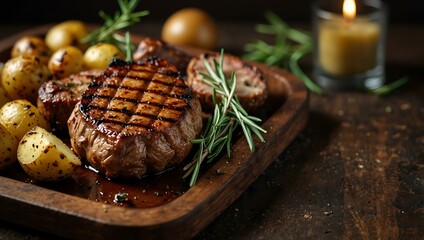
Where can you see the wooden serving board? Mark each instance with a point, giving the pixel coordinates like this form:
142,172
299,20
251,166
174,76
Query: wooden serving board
74,216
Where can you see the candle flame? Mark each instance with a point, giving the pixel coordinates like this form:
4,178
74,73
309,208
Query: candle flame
349,9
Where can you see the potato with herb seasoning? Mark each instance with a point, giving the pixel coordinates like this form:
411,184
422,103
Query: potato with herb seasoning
23,75
65,61
31,45
45,157
67,33
8,147
100,55
20,116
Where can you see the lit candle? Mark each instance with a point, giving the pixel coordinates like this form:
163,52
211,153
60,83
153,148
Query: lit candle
348,44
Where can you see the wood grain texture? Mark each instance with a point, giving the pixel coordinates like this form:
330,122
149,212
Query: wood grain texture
43,209
355,172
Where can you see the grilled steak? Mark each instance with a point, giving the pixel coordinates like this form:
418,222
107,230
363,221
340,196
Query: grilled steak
149,47
251,88
135,118
57,98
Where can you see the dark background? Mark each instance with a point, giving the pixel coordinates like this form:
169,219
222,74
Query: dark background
44,11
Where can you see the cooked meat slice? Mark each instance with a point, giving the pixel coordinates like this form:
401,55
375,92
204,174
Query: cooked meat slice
149,47
251,88
135,118
57,98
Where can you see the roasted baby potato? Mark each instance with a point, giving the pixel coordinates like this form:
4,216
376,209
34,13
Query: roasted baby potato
23,75
45,157
67,33
32,46
100,55
8,147
192,27
65,61
20,116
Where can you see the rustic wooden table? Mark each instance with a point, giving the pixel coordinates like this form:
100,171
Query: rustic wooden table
355,172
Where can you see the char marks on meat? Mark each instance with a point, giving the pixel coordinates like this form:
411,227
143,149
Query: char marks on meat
57,98
135,118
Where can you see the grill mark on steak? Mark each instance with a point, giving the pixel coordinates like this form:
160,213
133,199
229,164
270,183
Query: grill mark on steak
129,113
170,74
135,127
179,96
137,102
144,92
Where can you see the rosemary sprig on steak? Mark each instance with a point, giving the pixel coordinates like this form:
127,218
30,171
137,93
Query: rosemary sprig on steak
121,20
227,116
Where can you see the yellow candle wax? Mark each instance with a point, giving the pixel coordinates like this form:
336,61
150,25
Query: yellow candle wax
347,48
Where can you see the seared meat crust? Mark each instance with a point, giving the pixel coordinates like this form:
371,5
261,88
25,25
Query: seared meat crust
251,88
149,47
57,98
135,118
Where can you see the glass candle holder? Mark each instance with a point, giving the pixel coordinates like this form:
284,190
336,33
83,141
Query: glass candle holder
349,51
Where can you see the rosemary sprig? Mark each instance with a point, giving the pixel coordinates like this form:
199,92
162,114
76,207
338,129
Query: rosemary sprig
227,116
128,50
122,19
388,88
290,47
